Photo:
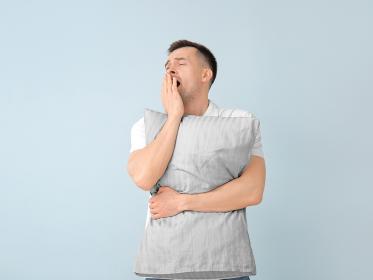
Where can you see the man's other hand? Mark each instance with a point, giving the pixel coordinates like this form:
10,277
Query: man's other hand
165,203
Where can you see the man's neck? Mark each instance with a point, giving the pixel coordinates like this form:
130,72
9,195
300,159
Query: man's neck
197,109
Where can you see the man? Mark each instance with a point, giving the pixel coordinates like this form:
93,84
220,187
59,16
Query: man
190,72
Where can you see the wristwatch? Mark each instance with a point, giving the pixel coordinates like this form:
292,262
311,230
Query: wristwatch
155,188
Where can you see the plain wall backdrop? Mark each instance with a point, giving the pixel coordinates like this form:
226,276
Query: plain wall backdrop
75,76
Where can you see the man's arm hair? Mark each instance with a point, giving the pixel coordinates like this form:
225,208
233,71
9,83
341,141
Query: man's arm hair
148,164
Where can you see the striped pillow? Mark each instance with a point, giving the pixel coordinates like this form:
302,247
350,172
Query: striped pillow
209,152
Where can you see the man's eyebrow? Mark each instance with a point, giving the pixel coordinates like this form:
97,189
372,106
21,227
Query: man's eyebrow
177,58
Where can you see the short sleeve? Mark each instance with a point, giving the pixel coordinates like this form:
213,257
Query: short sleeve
257,149
138,140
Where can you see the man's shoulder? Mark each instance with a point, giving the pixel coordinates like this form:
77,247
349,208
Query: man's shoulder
228,112
235,112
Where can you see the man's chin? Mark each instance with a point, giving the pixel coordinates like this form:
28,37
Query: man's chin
185,96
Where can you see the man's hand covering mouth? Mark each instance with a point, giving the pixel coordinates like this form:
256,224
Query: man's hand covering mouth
178,83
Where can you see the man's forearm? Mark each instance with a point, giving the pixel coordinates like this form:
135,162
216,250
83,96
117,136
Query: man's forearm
147,165
236,194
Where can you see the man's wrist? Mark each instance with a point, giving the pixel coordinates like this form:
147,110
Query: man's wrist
184,202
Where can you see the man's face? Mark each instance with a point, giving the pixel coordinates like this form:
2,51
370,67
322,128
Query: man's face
185,65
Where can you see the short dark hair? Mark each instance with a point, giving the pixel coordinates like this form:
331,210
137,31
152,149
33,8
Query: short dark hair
202,50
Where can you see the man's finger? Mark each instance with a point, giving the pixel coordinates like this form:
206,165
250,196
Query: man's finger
173,84
169,82
156,217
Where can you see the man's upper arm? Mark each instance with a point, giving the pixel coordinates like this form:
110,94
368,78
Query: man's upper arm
255,170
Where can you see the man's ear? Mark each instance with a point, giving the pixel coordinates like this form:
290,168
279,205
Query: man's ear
207,74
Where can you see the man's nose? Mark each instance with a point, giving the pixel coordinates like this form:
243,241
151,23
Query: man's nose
171,71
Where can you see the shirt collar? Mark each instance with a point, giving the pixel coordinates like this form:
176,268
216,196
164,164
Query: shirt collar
212,109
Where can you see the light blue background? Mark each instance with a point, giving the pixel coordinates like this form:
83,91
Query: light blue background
75,76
